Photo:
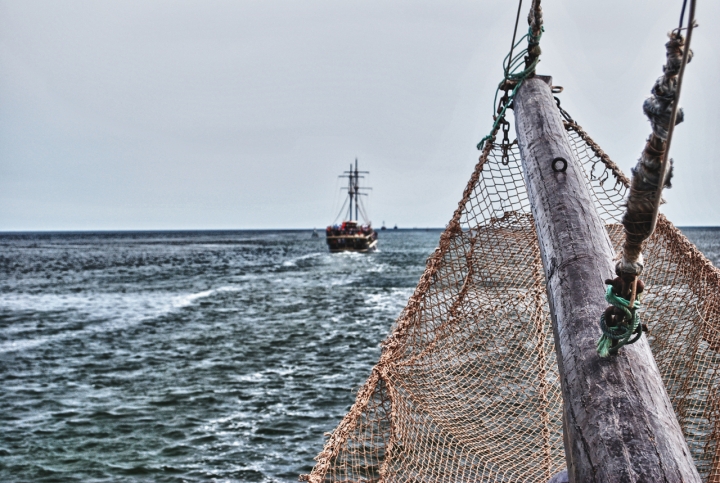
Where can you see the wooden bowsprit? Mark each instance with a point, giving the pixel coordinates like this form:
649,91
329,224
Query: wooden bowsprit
618,422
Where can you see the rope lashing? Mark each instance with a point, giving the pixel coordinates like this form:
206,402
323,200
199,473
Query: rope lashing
620,333
511,82
516,68
651,174
653,170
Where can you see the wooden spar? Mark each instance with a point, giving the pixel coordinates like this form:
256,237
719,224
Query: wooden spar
619,424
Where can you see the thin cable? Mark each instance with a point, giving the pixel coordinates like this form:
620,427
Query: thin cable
336,202
673,117
342,209
512,44
682,14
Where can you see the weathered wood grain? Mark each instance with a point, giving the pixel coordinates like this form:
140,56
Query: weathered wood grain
619,424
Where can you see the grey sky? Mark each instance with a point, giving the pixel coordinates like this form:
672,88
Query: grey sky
241,114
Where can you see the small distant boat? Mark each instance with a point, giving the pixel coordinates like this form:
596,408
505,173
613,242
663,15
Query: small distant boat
395,227
314,234
383,226
350,235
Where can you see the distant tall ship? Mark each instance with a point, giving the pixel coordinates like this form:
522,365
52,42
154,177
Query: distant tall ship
350,235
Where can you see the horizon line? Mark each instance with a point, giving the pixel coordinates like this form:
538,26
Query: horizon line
178,230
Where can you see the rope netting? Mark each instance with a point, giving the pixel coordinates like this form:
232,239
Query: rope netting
467,387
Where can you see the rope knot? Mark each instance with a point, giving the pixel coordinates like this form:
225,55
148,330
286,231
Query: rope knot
620,323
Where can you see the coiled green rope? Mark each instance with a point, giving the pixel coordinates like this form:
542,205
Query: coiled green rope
621,334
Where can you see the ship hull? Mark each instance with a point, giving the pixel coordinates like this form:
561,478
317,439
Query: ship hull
352,243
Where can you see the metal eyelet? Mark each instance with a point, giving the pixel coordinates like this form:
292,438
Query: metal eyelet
559,160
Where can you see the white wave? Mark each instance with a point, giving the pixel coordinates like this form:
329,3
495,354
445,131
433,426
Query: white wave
101,312
182,301
293,261
393,302
380,268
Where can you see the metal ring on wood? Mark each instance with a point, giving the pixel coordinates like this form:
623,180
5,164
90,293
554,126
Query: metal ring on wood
556,89
559,160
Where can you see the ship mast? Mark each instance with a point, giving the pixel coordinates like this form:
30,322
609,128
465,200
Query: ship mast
354,189
357,182
351,191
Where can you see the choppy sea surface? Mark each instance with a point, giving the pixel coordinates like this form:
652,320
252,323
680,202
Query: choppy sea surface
191,356
187,356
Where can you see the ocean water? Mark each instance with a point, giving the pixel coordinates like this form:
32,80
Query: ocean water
707,240
191,356
196,356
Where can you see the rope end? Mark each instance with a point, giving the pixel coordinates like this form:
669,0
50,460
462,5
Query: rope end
482,142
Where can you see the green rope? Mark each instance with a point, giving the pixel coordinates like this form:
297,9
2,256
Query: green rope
620,334
513,73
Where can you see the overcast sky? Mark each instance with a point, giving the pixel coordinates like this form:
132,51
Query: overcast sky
240,114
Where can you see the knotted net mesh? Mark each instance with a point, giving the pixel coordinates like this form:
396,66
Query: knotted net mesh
467,387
